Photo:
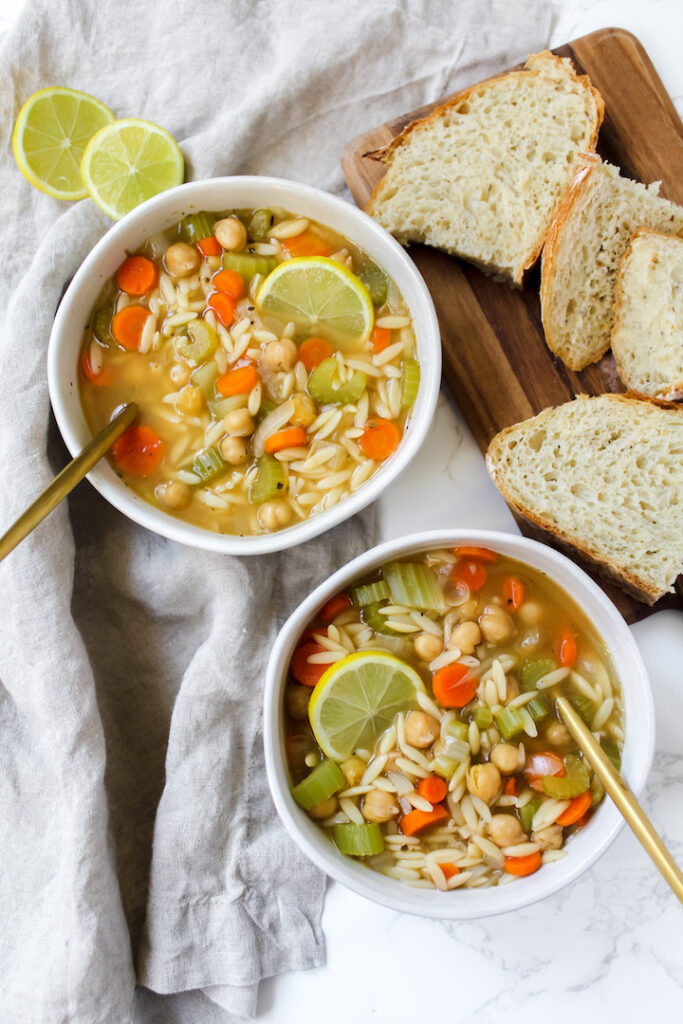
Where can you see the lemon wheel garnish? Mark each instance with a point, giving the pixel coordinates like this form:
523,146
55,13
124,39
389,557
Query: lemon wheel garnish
321,297
357,699
50,136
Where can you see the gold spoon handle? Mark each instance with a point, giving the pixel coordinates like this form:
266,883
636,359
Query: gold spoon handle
65,481
623,797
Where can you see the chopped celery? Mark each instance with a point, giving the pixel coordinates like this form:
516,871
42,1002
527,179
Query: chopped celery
267,405
375,280
410,383
482,717
597,791
101,324
414,585
204,378
198,343
584,705
196,226
271,480
325,387
259,224
535,670
444,766
456,749
538,708
370,615
576,781
359,840
220,407
207,464
369,593
325,780
612,751
459,730
526,813
248,265
509,721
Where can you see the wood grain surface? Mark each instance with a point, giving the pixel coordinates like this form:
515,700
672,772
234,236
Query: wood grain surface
496,362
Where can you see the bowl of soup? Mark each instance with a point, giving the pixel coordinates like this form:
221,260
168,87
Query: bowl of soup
283,351
413,743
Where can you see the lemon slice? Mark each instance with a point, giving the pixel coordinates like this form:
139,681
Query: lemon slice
357,698
321,297
53,128
130,161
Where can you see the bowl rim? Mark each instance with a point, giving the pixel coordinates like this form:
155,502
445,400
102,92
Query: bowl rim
376,241
586,847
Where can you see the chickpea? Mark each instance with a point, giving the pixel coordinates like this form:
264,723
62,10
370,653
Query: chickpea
353,769
304,410
231,233
483,780
190,400
466,636
181,259
325,809
234,450
180,374
296,701
239,423
550,837
506,830
496,625
175,494
421,729
467,610
274,514
506,758
427,646
529,613
379,806
280,355
558,735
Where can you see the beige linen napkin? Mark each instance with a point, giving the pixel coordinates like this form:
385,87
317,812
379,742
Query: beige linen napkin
137,837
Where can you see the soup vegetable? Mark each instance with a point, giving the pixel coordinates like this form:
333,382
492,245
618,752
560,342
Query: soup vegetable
272,360
422,731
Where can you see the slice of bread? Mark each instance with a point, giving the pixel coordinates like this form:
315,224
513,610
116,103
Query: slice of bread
647,340
482,175
605,475
584,246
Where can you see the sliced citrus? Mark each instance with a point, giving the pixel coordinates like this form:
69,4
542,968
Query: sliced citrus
53,128
321,297
357,698
130,161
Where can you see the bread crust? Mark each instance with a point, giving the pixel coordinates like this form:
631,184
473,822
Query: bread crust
385,155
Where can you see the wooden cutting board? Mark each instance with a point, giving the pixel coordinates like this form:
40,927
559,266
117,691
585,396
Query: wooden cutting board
496,362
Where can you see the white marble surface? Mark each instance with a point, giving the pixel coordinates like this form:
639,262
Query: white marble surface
608,948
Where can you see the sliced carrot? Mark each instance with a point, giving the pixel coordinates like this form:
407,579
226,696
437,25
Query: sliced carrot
454,685
302,669
136,276
380,439
139,451
482,554
102,378
381,338
416,821
127,326
305,244
510,787
576,809
335,606
313,351
230,282
523,865
293,437
239,381
543,764
449,870
513,592
223,306
567,648
433,789
469,573
210,246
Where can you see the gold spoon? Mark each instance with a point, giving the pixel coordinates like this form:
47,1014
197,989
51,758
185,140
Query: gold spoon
622,796
65,481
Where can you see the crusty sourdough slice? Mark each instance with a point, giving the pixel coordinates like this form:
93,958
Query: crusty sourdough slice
481,176
586,241
605,475
647,340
